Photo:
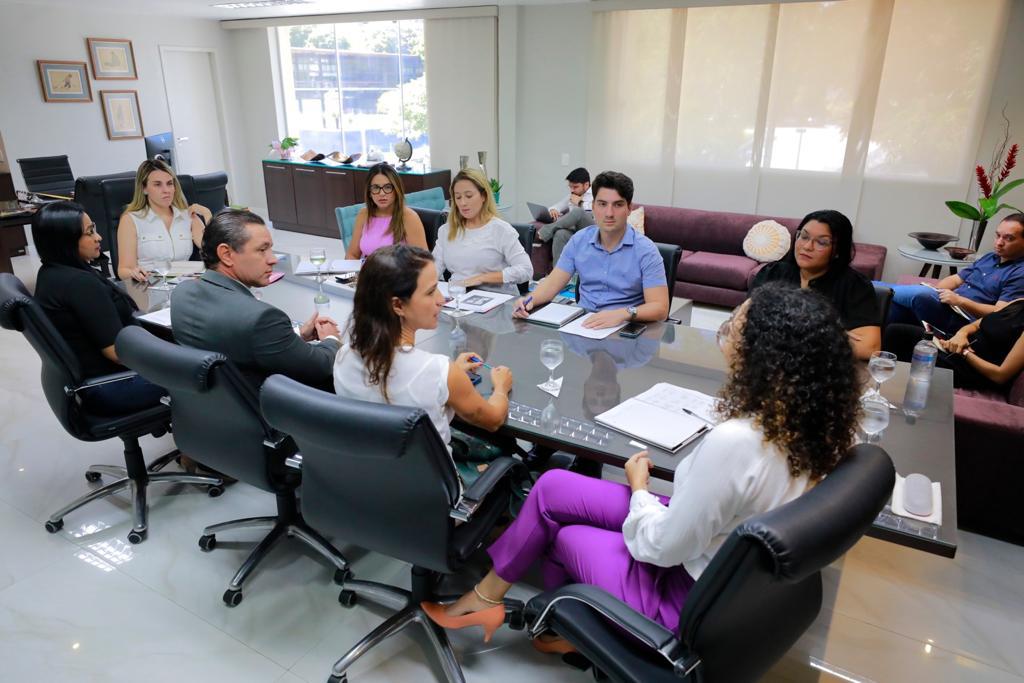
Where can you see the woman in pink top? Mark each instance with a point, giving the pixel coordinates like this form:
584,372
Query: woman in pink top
385,220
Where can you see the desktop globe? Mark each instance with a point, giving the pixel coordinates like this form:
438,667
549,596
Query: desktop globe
403,150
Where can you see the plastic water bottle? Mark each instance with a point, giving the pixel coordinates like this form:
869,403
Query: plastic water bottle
921,367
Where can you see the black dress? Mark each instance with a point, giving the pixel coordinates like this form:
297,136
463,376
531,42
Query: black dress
850,292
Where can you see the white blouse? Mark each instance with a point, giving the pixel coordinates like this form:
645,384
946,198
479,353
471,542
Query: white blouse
490,248
732,475
155,241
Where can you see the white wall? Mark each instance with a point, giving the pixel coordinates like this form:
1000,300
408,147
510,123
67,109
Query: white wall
32,127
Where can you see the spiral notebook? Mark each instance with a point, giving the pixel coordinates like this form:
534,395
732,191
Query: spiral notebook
665,416
555,315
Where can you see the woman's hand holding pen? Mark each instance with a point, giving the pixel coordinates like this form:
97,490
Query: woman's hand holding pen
523,307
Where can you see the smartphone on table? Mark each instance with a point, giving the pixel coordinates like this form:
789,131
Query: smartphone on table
632,330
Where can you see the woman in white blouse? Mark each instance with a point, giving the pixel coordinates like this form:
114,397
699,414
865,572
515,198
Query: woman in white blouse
157,225
475,246
789,409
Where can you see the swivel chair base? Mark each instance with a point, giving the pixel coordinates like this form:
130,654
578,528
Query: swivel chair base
137,484
287,522
408,612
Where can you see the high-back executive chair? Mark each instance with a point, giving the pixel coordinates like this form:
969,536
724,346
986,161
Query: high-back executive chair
50,177
62,379
379,477
883,298
217,421
758,595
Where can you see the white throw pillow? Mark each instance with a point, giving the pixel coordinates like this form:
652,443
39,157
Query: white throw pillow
636,219
767,241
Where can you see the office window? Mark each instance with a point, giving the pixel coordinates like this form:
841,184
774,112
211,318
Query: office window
355,87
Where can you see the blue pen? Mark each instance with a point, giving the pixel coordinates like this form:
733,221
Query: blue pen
526,302
477,359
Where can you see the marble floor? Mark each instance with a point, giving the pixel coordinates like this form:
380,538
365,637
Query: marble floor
83,605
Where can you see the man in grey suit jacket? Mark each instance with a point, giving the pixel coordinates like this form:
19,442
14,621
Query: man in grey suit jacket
218,312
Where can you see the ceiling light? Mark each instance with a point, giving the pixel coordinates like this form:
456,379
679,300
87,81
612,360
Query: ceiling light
260,3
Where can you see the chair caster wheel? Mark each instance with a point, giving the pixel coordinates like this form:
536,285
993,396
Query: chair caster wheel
54,527
135,537
214,491
207,542
338,679
347,598
232,597
342,575
93,477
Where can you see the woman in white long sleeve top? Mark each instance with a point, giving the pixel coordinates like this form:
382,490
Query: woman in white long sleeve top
475,246
789,409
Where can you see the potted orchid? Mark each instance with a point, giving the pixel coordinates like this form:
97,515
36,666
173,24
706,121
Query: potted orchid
285,146
992,188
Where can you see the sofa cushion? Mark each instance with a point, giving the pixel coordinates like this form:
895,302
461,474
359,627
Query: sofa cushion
720,232
718,270
636,219
767,241
869,259
1016,393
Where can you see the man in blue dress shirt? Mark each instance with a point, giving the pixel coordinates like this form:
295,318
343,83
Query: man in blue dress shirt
996,276
621,272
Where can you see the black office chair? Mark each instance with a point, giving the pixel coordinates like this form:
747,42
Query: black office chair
527,231
883,298
209,190
89,194
217,421
62,379
432,219
116,193
670,255
380,477
758,595
50,177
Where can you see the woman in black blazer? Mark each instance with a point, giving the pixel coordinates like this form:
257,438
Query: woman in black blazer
87,309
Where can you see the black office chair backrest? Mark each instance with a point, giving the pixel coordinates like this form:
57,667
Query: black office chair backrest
766,577
526,231
214,410
376,475
432,219
61,372
89,194
209,190
117,193
48,175
883,299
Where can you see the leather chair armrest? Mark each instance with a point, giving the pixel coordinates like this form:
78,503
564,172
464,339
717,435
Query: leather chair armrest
101,380
496,472
650,633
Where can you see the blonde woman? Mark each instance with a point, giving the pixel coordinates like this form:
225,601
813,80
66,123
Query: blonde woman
385,220
477,247
157,224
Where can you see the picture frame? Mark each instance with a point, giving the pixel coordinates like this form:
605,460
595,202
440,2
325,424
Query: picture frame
64,81
112,59
121,114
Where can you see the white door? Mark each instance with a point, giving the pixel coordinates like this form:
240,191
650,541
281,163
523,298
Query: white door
193,100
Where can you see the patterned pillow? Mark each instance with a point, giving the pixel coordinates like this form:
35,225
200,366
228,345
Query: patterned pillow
767,241
636,219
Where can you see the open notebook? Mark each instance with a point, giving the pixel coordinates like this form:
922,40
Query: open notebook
665,415
555,315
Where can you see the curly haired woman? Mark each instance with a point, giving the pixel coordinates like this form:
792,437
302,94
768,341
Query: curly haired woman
789,409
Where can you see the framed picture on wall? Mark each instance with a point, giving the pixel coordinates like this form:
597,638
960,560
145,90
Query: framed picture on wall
112,59
64,81
121,114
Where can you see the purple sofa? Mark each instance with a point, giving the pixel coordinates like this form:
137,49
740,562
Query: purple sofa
989,443
713,268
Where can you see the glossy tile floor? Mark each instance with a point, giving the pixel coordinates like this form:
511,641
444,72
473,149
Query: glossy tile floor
83,605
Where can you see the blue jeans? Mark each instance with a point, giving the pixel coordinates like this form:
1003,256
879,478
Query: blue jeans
913,303
122,398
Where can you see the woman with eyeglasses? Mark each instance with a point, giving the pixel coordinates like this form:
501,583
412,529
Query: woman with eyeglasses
87,309
783,346
820,260
385,220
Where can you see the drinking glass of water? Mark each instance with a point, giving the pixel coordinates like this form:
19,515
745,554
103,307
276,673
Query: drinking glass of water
882,368
318,257
161,267
552,353
457,288
874,417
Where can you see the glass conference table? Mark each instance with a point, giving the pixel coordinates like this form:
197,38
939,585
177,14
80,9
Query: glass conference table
600,374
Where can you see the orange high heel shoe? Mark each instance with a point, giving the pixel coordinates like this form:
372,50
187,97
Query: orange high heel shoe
557,646
490,619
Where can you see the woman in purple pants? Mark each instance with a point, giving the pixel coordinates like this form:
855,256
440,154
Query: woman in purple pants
789,409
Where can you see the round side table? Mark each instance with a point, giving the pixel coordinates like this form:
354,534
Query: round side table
934,259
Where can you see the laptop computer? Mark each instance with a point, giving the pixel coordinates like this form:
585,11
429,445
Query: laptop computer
541,214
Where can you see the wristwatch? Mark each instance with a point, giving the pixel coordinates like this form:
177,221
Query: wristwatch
632,310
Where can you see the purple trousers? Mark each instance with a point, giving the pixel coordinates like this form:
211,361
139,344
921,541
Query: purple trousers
574,524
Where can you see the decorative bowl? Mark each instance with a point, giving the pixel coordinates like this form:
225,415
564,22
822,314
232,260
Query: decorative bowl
959,253
933,240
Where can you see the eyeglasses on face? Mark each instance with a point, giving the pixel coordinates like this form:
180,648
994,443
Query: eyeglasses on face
386,189
819,243
90,231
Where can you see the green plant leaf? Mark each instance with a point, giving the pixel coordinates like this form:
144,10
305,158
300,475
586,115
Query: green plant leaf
1007,187
964,210
988,206
1008,206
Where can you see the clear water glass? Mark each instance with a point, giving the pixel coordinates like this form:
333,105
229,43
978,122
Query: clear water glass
874,417
456,288
318,257
552,353
882,368
161,267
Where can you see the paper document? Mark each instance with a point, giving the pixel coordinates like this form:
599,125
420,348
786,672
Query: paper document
555,315
336,266
478,301
180,268
160,317
665,415
576,327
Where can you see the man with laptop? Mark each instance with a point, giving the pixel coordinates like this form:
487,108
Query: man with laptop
621,272
568,216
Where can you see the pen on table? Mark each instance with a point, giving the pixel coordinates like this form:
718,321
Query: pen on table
525,302
477,359
699,417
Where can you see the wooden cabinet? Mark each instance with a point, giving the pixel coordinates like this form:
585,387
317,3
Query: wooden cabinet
302,197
